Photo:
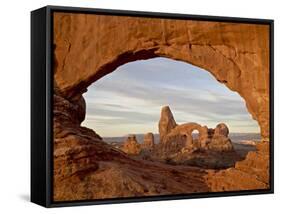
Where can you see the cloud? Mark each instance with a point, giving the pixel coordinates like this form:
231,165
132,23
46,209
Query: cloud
131,98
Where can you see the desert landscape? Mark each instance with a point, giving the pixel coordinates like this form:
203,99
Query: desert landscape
176,145
175,160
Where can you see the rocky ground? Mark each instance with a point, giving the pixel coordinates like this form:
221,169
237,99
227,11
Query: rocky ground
175,155
96,170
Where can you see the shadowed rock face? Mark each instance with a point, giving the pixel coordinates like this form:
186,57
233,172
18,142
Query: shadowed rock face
86,48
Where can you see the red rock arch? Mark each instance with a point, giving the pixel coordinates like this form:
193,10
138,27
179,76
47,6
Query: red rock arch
87,47
187,129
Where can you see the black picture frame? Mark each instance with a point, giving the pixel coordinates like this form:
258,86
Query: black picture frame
41,104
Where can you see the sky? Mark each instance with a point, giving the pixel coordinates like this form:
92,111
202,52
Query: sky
129,100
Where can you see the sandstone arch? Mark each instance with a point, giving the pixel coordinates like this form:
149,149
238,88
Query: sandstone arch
87,47
186,130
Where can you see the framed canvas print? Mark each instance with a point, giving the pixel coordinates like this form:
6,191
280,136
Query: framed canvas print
133,106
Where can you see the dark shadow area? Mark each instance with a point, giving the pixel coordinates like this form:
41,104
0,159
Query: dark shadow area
243,149
171,154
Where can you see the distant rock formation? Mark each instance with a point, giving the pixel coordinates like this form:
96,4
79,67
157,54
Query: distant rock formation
220,140
148,141
131,145
208,139
166,122
221,130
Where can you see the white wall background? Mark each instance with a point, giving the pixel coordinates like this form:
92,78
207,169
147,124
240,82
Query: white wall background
15,106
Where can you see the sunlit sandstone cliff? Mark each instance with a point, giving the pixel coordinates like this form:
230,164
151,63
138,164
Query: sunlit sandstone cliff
87,47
